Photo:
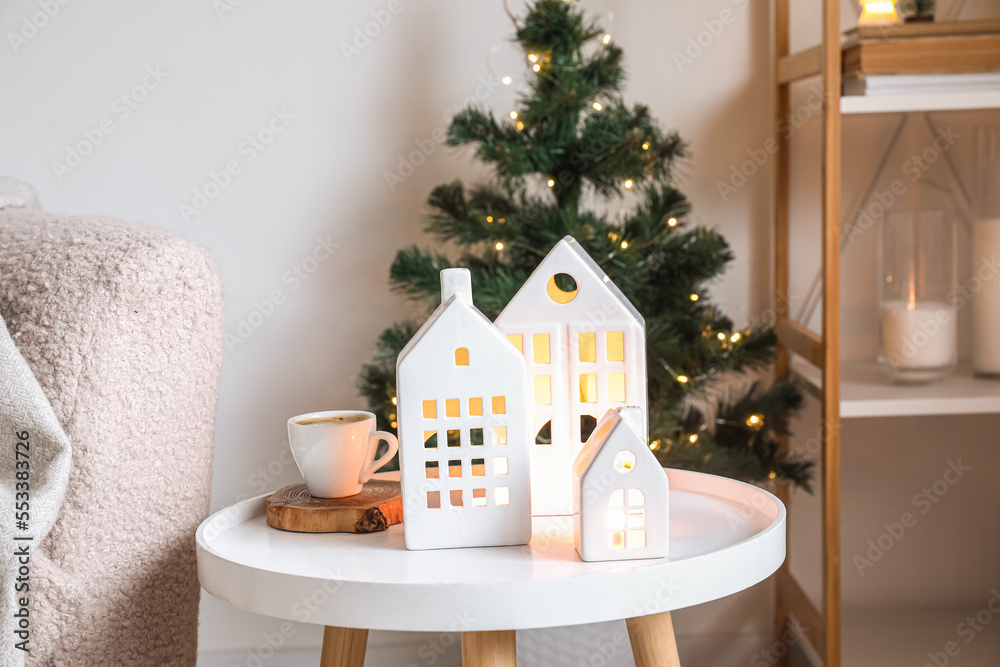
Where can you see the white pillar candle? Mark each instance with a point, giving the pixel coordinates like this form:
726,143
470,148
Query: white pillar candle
986,297
921,335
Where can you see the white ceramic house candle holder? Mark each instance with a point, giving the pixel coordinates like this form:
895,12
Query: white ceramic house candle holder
463,429
584,349
620,493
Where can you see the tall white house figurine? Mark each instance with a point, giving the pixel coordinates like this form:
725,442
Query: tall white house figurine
584,347
463,429
620,493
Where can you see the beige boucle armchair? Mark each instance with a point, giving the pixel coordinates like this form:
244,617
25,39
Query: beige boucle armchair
122,326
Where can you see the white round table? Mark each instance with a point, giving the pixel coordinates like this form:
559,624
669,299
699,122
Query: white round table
725,536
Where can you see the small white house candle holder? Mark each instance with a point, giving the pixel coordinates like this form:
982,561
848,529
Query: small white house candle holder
584,348
463,429
918,276
620,493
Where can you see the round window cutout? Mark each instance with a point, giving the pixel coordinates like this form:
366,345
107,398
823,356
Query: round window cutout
562,288
624,461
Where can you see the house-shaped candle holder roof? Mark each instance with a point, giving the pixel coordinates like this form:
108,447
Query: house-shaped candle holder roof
584,347
463,429
620,493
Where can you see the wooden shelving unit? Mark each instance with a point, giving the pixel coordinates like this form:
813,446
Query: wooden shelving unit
855,389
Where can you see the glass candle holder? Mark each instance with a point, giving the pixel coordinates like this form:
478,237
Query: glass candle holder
985,281
917,274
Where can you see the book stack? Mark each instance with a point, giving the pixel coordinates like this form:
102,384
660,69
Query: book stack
922,58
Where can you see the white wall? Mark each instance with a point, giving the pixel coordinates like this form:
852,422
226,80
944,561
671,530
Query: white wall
297,341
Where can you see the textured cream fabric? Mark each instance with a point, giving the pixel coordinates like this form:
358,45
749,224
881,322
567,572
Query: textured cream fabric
34,467
122,327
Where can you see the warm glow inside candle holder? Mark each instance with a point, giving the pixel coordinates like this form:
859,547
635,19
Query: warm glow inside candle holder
878,12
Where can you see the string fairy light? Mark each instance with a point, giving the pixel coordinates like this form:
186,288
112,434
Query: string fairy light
628,184
672,222
735,337
489,218
607,38
722,336
645,145
694,438
536,67
682,379
624,245
520,125
551,183
499,246
513,115
532,57
695,297
597,106
506,80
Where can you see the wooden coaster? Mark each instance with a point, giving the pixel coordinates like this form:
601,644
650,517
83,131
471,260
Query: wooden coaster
378,506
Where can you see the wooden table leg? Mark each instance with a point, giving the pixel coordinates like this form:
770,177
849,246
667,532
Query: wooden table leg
653,641
489,649
343,647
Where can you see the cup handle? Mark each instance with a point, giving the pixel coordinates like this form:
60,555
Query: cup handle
376,437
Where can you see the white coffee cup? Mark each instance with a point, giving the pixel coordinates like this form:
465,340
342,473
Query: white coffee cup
335,450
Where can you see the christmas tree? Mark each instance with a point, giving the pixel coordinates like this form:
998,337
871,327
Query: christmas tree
572,136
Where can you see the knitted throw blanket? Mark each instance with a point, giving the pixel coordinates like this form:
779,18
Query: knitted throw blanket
34,468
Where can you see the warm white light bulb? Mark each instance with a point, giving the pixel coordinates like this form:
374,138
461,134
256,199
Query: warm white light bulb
607,38
735,337
628,184
672,222
532,57
624,244
694,297
597,106
537,67
506,80
499,246
694,437
520,125
551,183
682,378
645,146
513,114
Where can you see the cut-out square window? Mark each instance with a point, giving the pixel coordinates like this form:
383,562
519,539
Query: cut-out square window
588,388
501,495
433,500
430,439
476,437
431,469
616,346
499,435
617,540
540,349
587,343
455,468
499,405
637,538
587,425
617,498
616,387
635,498
456,498
462,356
616,519
451,407
500,465
476,407
518,341
636,518
543,390
479,467
479,497
430,409
454,437
543,430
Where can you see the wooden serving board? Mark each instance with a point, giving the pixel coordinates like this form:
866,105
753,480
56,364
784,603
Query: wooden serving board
378,506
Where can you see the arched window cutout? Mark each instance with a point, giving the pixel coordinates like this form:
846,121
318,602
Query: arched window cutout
635,498
462,356
624,461
562,288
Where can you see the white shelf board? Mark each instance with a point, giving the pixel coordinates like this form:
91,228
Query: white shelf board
867,391
859,104
903,636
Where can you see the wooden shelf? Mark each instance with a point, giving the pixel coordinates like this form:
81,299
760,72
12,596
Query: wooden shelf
862,104
903,636
866,391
